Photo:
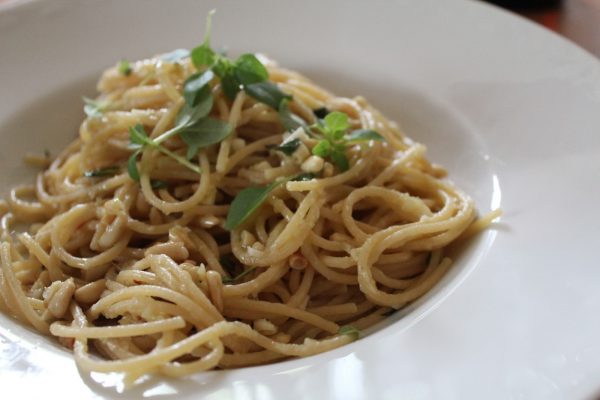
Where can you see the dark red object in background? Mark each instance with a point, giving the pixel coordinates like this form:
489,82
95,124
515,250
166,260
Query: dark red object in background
545,12
526,5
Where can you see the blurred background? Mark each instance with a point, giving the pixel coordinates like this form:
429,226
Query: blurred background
578,20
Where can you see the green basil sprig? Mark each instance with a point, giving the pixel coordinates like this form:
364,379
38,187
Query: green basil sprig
333,129
139,141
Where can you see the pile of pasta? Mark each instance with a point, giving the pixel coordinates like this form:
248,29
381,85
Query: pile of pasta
142,278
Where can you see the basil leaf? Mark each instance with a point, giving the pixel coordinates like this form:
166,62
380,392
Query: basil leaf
267,92
124,67
203,56
246,203
363,135
231,85
336,122
350,331
205,132
102,172
189,115
132,168
322,149
289,147
290,120
249,70
307,176
338,156
321,112
193,88
175,55
158,184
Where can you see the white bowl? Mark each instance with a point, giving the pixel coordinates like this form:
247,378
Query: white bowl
510,109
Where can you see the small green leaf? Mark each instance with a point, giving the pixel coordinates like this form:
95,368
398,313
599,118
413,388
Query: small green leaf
94,108
246,203
158,184
102,172
290,120
189,115
307,176
193,88
363,135
132,168
338,156
175,55
336,122
249,70
289,147
322,149
124,67
267,92
204,133
350,331
203,56
222,67
321,112
137,135
231,85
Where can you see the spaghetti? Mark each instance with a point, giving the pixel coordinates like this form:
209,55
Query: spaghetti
145,273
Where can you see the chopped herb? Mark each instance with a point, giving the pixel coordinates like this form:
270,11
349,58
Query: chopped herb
307,176
175,55
288,147
102,172
351,331
321,112
267,92
247,202
229,281
363,135
124,67
47,153
290,120
94,108
158,184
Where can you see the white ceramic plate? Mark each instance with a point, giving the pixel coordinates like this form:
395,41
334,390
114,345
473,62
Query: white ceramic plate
510,109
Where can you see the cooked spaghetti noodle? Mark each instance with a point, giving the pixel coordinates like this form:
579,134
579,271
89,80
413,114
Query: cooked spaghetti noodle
147,276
